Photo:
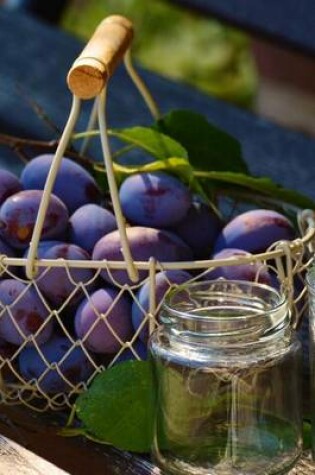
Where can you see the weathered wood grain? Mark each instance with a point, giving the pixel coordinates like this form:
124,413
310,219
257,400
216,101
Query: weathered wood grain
16,460
39,433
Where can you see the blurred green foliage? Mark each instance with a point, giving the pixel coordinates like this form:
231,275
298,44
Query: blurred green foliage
178,44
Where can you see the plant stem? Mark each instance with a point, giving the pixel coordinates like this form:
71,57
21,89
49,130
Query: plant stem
83,135
17,144
13,142
123,150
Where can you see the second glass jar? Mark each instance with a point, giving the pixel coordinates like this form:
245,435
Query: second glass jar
227,368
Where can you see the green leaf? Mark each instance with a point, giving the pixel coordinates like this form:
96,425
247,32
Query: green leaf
152,141
177,166
307,435
208,147
264,186
118,407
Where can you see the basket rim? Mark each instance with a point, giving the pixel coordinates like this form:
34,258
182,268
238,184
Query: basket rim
277,250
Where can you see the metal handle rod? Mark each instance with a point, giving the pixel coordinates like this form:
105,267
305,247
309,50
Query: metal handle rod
131,268
50,181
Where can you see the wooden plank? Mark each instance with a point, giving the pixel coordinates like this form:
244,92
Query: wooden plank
16,460
36,58
289,22
76,456
304,467
39,433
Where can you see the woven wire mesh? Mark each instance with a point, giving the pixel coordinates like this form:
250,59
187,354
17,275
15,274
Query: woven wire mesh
286,262
60,377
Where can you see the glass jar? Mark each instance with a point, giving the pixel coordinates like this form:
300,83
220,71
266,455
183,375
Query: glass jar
310,279
227,367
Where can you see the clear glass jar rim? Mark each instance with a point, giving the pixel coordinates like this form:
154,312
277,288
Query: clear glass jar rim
279,307
310,279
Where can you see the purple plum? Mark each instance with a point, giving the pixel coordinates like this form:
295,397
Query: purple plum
199,228
57,283
254,231
250,272
70,365
163,282
101,317
22,313
154,199
89,224
9,185
144,243
74,185
18,216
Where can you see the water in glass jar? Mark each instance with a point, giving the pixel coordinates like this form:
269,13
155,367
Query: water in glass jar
209,418
226,406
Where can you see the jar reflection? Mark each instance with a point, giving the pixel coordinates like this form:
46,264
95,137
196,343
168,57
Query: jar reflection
311,295
227,367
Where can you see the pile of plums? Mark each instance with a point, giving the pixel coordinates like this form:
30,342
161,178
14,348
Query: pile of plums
69,317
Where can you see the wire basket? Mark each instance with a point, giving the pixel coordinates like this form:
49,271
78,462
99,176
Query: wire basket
67,363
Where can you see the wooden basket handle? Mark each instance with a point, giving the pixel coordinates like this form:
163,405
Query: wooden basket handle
98,60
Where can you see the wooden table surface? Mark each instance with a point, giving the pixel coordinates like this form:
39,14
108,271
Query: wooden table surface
34,62
77,456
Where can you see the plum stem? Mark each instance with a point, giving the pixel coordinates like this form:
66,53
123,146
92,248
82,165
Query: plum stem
18,143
